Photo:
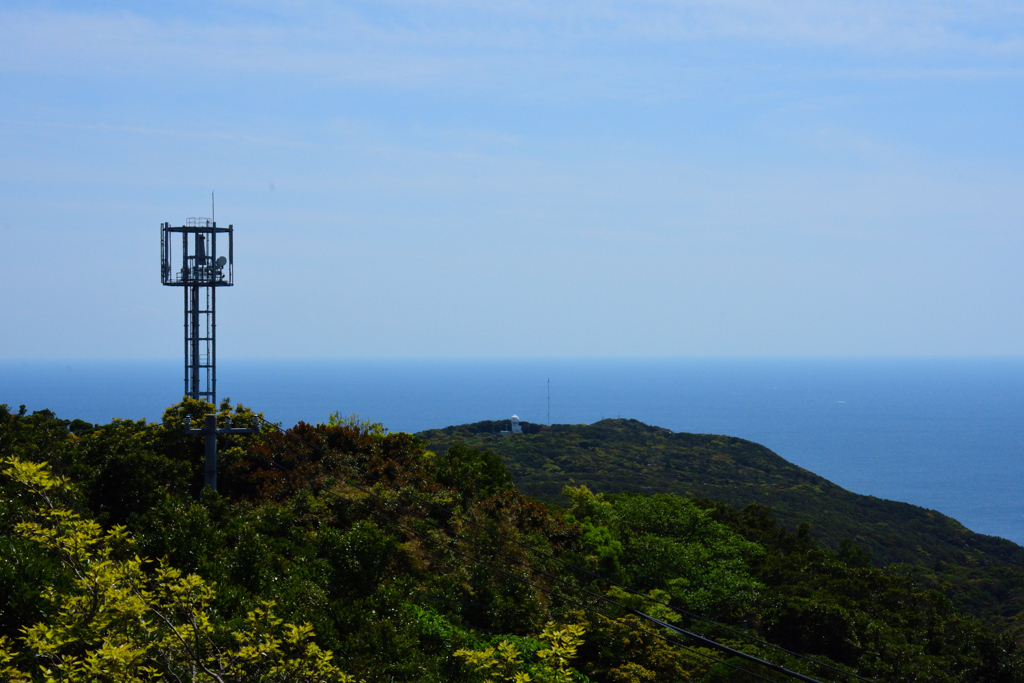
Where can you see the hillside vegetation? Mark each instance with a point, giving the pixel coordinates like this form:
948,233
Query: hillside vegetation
982,573
339,551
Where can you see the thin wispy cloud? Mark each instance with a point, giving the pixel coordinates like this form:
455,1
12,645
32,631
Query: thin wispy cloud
414,43
733,154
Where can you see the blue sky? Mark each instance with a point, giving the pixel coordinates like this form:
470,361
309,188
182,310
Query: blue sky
461,178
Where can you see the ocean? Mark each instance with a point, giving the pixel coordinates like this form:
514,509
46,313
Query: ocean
945,434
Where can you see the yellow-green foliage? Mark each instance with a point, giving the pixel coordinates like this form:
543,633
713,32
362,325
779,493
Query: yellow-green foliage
128,619
505,662
336,419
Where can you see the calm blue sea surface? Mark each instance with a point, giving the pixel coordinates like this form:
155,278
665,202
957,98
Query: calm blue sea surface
944,434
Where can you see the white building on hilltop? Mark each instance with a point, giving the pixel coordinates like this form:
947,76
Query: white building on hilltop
516,428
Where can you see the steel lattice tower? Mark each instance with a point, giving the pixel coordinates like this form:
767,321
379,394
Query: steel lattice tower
201,272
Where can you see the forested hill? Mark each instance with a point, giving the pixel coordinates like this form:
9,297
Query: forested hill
618,455
340,552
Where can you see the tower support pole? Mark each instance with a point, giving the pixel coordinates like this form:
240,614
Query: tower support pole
194,343
210,431
210,469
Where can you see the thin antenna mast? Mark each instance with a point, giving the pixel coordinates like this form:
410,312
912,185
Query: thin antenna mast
213,209
549,401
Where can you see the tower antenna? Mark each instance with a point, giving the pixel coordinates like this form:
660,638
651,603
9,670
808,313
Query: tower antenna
200,271
213,208
199,266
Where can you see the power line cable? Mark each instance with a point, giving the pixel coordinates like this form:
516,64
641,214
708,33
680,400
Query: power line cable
707,642
703,640
589,573
578,603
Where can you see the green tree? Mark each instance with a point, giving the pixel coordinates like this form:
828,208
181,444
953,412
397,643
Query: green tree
474,473
505,662
128,619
